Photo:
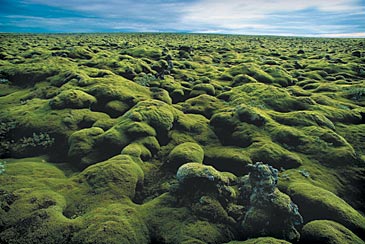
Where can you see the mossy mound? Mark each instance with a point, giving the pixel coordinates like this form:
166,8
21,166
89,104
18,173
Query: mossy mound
261,240
119,175
326,231
113,223
185,153
317,203
72,99
152,139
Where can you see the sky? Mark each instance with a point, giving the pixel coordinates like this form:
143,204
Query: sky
318,18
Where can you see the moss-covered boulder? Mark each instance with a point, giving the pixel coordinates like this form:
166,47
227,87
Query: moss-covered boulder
72,99
328,232
185,153
261,240
191,172
118,176
116,108
81,143
113,223
317,203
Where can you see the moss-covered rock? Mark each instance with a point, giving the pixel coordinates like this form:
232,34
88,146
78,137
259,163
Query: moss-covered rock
119,176
195,171
81,143
327,231
72,99
116,108
203,104
317,203
260,240
228,159
185,153
114,223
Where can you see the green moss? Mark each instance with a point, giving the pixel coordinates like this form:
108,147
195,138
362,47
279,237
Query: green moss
229,159
140,129
242,79
274,155
202,89
196,171
116,108
326,231
169,224
144,52
211,210
250,115
156,113
119,176
113,223
260,240
265,96
204,104
185,153
317,203
81,143
252,70
303,118
72,99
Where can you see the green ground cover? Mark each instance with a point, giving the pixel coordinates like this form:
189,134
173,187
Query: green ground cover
155,138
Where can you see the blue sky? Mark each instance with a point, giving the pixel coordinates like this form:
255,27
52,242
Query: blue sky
327,18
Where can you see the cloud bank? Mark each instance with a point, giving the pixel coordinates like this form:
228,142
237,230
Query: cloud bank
335,18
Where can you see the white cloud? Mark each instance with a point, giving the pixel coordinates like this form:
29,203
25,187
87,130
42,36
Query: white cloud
345,35
232,14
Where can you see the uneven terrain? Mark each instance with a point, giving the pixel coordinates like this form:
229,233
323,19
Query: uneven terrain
174,138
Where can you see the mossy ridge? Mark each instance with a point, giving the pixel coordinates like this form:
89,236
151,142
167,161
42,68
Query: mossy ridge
329,99
260,240
326,231
327,206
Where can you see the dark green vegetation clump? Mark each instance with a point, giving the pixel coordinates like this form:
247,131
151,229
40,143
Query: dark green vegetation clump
166,138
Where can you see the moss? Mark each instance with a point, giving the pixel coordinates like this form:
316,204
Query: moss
303,118
265,96
119,176
242,79
137,150
229,159
113,223
116,108
185,153
144,52
250,115
81,143
204,104
211,210
139,129
274,155
192,171
202,89
252,70
72,99
30,208
317,203
162,95
169,224
260,240
156,113
327,231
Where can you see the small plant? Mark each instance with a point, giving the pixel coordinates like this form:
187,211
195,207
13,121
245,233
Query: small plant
356,93
6,127
145,79
2,167
304,172
4,81
37,140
